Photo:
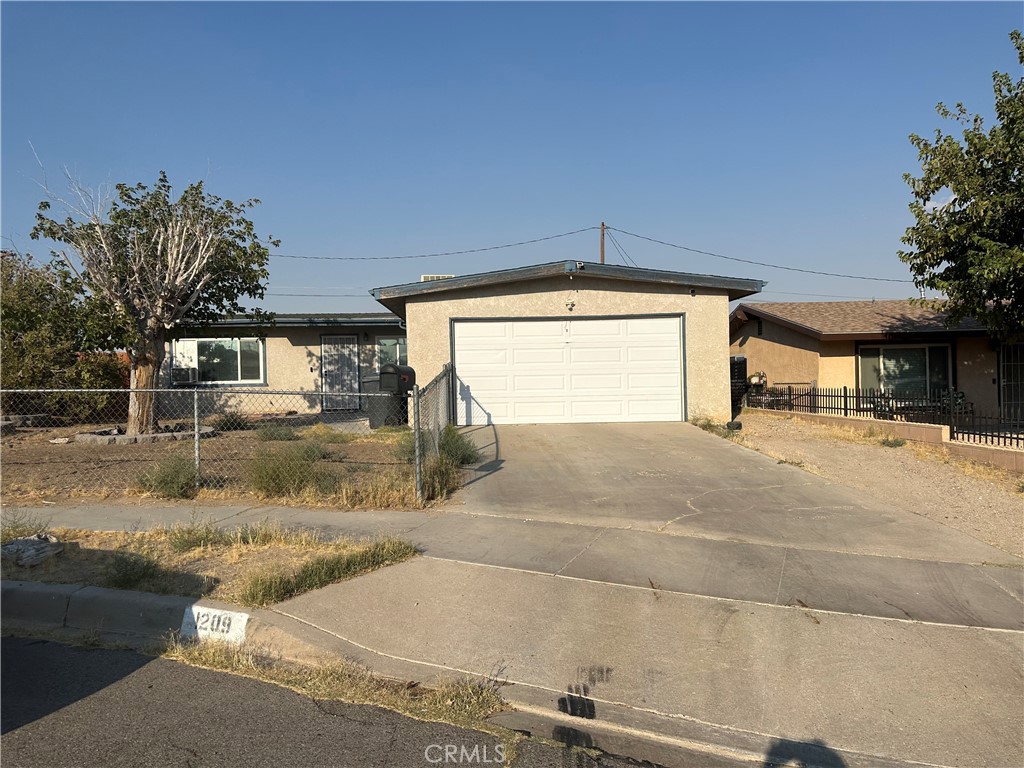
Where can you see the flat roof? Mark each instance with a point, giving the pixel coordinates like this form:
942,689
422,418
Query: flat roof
394,297
305,319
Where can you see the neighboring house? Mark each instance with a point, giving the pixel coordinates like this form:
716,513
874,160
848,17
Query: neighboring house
332,355
896,346
574,341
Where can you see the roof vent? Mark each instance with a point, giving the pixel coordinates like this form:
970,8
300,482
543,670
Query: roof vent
428,278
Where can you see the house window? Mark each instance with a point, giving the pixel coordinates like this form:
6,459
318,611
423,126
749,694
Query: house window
905,370
391,349
221,361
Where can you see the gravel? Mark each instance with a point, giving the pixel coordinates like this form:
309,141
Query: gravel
982,501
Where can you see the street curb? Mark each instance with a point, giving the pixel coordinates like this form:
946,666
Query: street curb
124,614
138,619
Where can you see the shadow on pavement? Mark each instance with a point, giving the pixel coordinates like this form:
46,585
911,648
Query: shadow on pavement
34,687
802,754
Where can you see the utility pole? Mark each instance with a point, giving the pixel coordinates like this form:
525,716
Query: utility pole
602,242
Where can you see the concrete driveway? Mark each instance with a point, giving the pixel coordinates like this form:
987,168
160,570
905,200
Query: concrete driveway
669,507
675,479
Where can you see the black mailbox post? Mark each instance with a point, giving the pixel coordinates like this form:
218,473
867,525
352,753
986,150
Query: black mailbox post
397,381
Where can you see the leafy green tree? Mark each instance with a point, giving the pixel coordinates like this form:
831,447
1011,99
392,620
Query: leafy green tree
53,336
968,238
156,260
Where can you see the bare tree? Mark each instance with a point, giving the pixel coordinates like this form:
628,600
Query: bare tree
155,261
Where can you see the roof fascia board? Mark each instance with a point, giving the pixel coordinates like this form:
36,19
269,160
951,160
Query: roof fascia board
392,296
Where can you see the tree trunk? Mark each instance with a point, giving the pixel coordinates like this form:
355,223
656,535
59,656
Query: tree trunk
146,357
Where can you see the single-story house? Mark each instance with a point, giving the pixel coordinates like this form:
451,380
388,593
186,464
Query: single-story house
574,341
330,356
889,345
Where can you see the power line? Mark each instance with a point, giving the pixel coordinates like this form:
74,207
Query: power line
431,255
626,258
761,263
325,295
821,295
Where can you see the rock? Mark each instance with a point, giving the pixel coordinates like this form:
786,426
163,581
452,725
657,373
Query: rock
31,550
61,440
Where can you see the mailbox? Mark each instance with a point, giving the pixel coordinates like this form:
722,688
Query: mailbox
397,379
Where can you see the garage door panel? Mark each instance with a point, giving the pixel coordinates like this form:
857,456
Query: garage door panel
582,329
540,356
493,385
483,331
542,329
496,357
529,409
596,355
538,383
667,327
585,383
652,355
666,382
577,370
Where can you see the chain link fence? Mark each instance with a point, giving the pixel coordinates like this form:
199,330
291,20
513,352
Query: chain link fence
340,448
432,413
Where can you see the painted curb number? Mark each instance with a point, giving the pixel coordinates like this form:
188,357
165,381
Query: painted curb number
213,624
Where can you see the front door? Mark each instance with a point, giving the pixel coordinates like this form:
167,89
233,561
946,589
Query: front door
339,374
1011,377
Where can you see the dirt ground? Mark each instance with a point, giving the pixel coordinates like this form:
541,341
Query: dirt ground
982,501
33,467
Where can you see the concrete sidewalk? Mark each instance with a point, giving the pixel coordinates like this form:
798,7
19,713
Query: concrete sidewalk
984,588
686,640
740,674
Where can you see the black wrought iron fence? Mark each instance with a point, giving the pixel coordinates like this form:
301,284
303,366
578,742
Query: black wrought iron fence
948,407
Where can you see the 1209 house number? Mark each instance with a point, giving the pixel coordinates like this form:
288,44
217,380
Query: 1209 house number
212,623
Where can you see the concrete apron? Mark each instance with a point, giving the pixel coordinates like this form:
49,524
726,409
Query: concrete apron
880,687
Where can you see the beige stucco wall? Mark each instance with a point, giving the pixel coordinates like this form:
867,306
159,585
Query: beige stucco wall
976,373
837,366
785,356
707,324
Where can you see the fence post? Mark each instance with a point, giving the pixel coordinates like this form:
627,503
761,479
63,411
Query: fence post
789,396
195,428
846,401
416,441
952,418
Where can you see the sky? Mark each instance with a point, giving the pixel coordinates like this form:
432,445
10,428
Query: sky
772,132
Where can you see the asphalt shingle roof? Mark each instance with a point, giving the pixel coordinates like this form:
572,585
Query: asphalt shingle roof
847,318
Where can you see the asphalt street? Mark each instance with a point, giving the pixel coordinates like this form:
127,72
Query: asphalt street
70,706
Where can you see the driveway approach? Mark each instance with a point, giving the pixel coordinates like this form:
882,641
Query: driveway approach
668,506
674,478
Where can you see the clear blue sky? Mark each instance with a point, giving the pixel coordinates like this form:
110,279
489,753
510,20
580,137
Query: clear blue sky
772,132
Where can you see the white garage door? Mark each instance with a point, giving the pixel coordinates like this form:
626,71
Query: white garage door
561,371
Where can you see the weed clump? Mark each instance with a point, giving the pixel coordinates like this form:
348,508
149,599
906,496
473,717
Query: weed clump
231,422
272,433
173,478
276,585
892,442
288,470
131,570
19,523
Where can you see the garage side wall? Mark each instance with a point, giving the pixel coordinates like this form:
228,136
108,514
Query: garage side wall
707,324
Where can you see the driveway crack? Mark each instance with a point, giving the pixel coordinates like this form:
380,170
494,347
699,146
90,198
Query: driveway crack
782,572
582,551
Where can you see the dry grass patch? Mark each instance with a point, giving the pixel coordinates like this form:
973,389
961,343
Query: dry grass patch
467,703
199,559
